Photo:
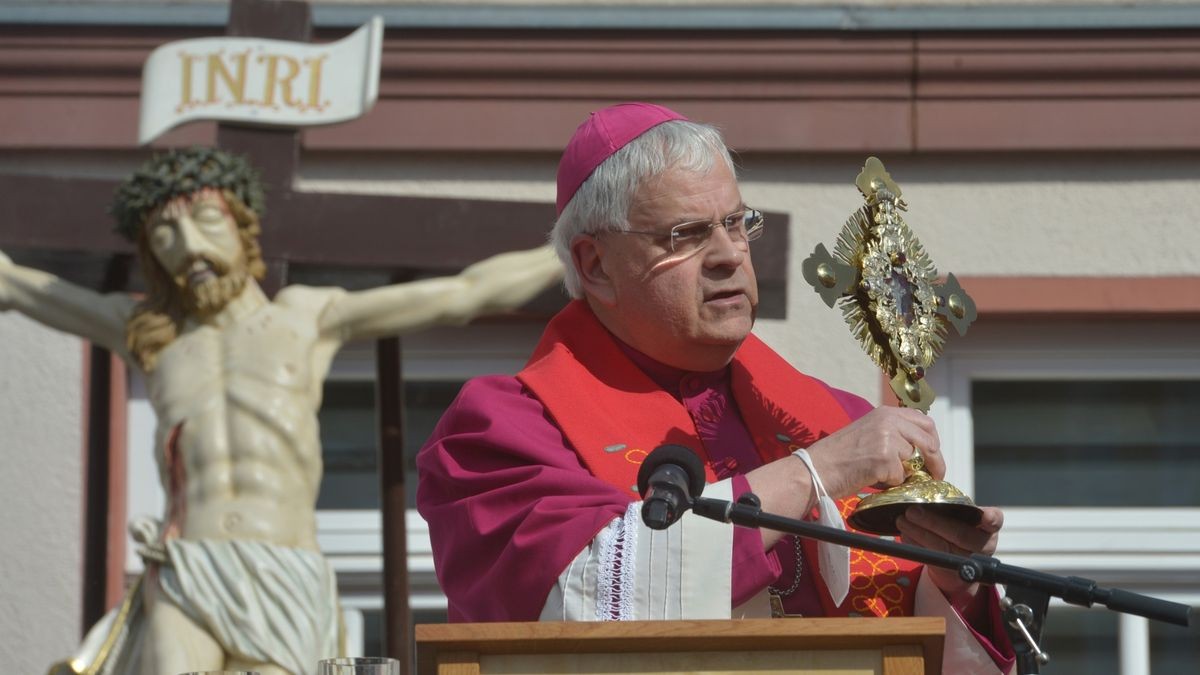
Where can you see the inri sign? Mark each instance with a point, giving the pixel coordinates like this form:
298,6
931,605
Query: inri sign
259,81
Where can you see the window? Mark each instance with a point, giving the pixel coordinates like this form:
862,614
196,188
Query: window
1087,442
349,444
436,363
1085,435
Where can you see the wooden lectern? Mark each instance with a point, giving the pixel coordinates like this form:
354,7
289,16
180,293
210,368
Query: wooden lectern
908,646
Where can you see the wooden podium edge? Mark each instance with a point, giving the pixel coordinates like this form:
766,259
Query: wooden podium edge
685,636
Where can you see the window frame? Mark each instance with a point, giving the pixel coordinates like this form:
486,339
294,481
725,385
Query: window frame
1110,541
1150,550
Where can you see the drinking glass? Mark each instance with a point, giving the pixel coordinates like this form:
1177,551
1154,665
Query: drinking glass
359,665
221,672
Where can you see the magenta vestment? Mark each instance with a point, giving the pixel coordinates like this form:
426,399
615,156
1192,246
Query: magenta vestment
510,505
500,469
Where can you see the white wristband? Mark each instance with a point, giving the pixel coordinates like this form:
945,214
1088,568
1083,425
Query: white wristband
818,486
834,559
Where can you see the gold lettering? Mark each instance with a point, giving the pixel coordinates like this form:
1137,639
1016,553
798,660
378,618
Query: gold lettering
314,80
283,83
236,84
186,60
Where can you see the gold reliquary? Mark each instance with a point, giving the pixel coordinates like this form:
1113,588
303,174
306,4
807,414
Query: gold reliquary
887,288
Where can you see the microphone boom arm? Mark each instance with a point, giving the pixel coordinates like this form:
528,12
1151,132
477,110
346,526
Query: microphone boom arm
747,512
671,480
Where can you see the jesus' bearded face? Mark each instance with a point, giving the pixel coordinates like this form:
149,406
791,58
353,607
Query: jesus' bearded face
195,238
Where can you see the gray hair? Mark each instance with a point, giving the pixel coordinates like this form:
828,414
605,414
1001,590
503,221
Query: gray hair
603,201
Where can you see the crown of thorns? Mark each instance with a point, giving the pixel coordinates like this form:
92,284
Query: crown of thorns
178,173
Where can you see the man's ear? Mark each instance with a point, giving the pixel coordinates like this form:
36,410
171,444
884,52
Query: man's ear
587,254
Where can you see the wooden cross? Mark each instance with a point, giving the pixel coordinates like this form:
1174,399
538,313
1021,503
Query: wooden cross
45,216
409,235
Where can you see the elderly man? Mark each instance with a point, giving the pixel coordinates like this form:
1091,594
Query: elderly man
234,577
528,483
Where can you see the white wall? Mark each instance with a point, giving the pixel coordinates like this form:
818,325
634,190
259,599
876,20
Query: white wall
41,442
1082,215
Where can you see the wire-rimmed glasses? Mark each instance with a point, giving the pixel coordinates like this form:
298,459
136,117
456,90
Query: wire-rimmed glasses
743,226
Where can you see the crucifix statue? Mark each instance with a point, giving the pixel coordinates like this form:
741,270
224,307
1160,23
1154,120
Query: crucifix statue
234,579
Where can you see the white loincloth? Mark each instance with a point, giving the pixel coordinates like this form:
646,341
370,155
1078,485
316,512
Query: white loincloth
262,602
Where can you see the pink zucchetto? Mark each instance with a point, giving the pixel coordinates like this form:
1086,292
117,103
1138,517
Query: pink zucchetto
601,134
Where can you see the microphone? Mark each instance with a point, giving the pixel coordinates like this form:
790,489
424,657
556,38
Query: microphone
668,480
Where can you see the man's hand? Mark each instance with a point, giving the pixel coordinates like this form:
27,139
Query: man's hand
922,527
870,450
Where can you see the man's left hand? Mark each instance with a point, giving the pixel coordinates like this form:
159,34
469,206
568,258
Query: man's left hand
922,527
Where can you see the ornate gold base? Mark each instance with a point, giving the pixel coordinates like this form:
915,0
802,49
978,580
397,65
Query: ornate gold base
877,513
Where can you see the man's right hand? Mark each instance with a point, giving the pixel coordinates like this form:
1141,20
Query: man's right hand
866,452
870,450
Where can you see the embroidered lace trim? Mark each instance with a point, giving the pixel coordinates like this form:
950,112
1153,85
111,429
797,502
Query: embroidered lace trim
617,571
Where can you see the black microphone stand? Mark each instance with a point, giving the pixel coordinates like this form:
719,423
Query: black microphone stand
1027,592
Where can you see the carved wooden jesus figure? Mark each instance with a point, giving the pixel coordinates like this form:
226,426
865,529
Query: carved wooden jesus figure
234,578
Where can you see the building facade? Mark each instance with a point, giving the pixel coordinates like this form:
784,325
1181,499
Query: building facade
1048,153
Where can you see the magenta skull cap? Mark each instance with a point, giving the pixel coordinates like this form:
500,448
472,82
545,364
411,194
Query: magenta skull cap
601,134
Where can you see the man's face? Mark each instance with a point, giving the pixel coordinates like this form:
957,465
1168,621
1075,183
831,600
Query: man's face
196,240
689,311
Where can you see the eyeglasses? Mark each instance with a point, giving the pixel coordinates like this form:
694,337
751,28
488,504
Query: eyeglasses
742,226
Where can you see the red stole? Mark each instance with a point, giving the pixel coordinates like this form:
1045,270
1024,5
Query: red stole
626,415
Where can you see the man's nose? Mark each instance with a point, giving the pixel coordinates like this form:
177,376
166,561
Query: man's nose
723,250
